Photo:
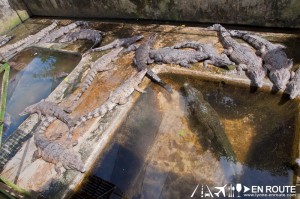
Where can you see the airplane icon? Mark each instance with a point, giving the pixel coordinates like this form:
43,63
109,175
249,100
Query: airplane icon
222,189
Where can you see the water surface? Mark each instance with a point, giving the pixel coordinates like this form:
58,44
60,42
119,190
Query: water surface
35,74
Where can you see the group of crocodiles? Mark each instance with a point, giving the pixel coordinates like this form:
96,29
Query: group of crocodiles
270,59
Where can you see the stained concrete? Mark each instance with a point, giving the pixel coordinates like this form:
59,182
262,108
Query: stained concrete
94,136
279,13
12,13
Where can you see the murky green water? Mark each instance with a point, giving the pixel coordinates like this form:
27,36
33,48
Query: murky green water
36,73
161,152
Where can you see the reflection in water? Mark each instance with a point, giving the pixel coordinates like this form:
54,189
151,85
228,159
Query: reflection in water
160,151
43,71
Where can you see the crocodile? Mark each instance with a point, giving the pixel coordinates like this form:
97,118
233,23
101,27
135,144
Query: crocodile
53,152
293,87
273,55
124,42
209,119
141,59
50,109
177,56
89,34
117,97
8,50
214,57
4,39
52,75
242,55
52,36
100,65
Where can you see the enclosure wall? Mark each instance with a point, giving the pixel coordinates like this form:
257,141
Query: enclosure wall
271,13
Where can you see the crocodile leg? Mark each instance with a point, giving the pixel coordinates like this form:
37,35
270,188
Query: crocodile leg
228,51
267,66
39,115
67,109
290,64
150,61
240,68
123,101
139,89
185,64
262,51
106,47
282,47
36,155
206,62
57,168
292,74
132,47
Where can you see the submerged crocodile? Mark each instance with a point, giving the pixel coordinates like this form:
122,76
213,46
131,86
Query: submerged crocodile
177,56
117,97
242,55
4,39
52,36
209,119
54,152
124,42
50,109
100,65
273,55
9,50
141,59
52,75
293,87
214,57
89,34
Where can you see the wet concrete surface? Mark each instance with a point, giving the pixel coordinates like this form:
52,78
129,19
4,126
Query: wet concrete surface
158,149
95,135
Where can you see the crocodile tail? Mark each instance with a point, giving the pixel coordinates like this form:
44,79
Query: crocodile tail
99,112
96,42
189,44
39,136
154,77
237,33
152,39
247,37
102,48
87,83
85,24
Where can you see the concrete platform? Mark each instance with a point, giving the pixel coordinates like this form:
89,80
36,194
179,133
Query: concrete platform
95,135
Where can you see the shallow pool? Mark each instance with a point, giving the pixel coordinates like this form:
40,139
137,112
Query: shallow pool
35,73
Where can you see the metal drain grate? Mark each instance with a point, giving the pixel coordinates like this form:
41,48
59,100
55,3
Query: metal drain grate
97,188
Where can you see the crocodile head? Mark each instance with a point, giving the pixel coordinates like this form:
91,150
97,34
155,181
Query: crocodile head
137,37
257,75
292,89
223,60
280,77
28,110
72,160
214,27
192,93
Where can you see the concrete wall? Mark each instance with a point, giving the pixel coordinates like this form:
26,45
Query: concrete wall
11,14
272,13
